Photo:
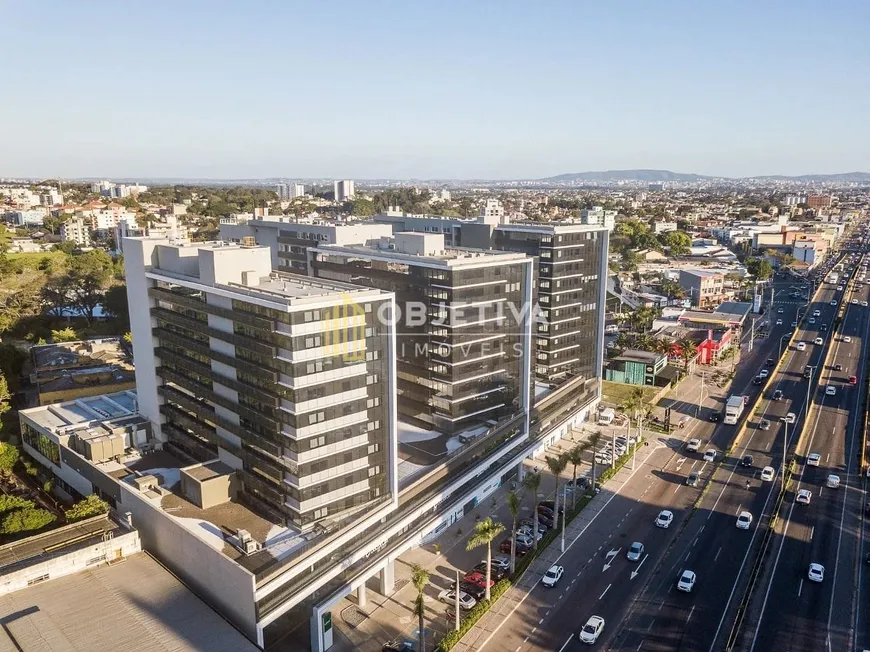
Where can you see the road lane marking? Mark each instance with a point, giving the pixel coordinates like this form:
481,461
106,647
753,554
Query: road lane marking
566,642
540,621
800,587
534,629
690,614
605,591
701,530
635,572
717,553
812,531
695,541
651,624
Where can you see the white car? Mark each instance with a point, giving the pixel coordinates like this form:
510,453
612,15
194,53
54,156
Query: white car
710,455
817,313
830,390
834,302
767,473
864,303
665,518
779,311
764,373
811,320
686,582
833,481
552,576
854,302
789,418
839,288
818,341
502,562
693,445
801,346
744,521
779,322
524,541
526,531
813,459
804,496
847,339
466,602
816,572
592,629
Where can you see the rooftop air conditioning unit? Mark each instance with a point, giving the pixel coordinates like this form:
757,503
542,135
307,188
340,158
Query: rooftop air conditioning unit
247,543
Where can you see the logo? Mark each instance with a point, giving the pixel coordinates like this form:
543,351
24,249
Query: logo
345,330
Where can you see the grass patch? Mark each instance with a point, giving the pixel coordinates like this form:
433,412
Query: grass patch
617,393
32,260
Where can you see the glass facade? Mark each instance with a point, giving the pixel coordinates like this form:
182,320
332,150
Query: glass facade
461,338
568,289
304,413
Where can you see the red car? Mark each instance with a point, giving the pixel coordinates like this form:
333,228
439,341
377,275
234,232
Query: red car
505,547
853,380
478,579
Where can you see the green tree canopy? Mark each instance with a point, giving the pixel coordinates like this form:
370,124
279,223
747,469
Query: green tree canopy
677,242
87,507
25,520
89,274
363,207
8,456
115,305
760,268
64,335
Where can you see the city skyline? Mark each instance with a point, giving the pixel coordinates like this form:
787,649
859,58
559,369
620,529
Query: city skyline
475,94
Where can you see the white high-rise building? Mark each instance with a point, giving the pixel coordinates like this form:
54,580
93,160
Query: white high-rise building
76,230
597,215
343,190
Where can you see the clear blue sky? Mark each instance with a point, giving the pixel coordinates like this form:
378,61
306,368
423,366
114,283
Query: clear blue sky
415,89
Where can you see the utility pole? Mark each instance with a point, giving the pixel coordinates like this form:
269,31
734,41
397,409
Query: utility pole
458,623
809,384
613,448
564,513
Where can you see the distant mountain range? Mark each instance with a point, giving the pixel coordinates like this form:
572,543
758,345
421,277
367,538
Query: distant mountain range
650,176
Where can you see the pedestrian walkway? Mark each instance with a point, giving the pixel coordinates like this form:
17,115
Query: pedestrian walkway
509,602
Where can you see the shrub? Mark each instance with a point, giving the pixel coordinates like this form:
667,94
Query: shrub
8,456
8,503
90,506
64,335
25,520
454,636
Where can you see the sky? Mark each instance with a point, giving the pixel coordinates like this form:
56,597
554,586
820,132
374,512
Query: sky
487,89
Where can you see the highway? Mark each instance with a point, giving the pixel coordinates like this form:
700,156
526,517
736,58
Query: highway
598,578
663,618
788,611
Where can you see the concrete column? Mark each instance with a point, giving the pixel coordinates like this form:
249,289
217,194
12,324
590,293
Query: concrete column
521,472
361,599
387,579
316,633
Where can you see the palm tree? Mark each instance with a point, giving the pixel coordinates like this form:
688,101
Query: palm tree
593,444
633,403
484,532
556,466
575,457
688,350
420,578
514,502
532,482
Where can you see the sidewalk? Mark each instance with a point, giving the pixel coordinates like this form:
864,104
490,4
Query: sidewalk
504,608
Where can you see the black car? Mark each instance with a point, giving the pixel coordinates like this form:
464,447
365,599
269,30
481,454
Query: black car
777,395
546,519
823,327
475,591
496,574
757,380
746,461
549,504
715,415
770,362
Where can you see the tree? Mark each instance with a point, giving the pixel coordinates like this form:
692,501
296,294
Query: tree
575,458
593,444
557,465
53,223
760,268
8,503
363,207
25,520
87,507
420,578
8,457
64,335
484,532
89,273
115,305
634,403
514,502
532,482
678,243
688,350
672,289
4,396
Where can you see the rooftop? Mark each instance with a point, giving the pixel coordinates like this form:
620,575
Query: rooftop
287,286
84,411
98,352
446,257
131,606
636,355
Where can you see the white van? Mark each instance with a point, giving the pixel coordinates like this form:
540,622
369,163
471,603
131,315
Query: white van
611,329
606,416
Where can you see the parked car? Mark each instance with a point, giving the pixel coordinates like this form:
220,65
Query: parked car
505,547
398,645
501,561
478,578
496,574
466,602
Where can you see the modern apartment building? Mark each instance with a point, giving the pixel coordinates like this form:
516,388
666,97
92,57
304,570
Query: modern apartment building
463,342
289,239
76,230
285,379
570,283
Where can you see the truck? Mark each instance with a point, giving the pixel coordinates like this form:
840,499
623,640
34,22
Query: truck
734,408
833,278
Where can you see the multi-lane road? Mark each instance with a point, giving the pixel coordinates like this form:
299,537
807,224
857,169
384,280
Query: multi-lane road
790,612
638,600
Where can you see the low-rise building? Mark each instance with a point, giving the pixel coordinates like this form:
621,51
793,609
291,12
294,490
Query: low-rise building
706,289
635,367
71,370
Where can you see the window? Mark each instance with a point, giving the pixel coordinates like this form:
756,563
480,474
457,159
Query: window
317,442
372,379
37,580
320,513
374,402
316,417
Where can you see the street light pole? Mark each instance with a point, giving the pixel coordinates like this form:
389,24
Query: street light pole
809,384
784,449
564,512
